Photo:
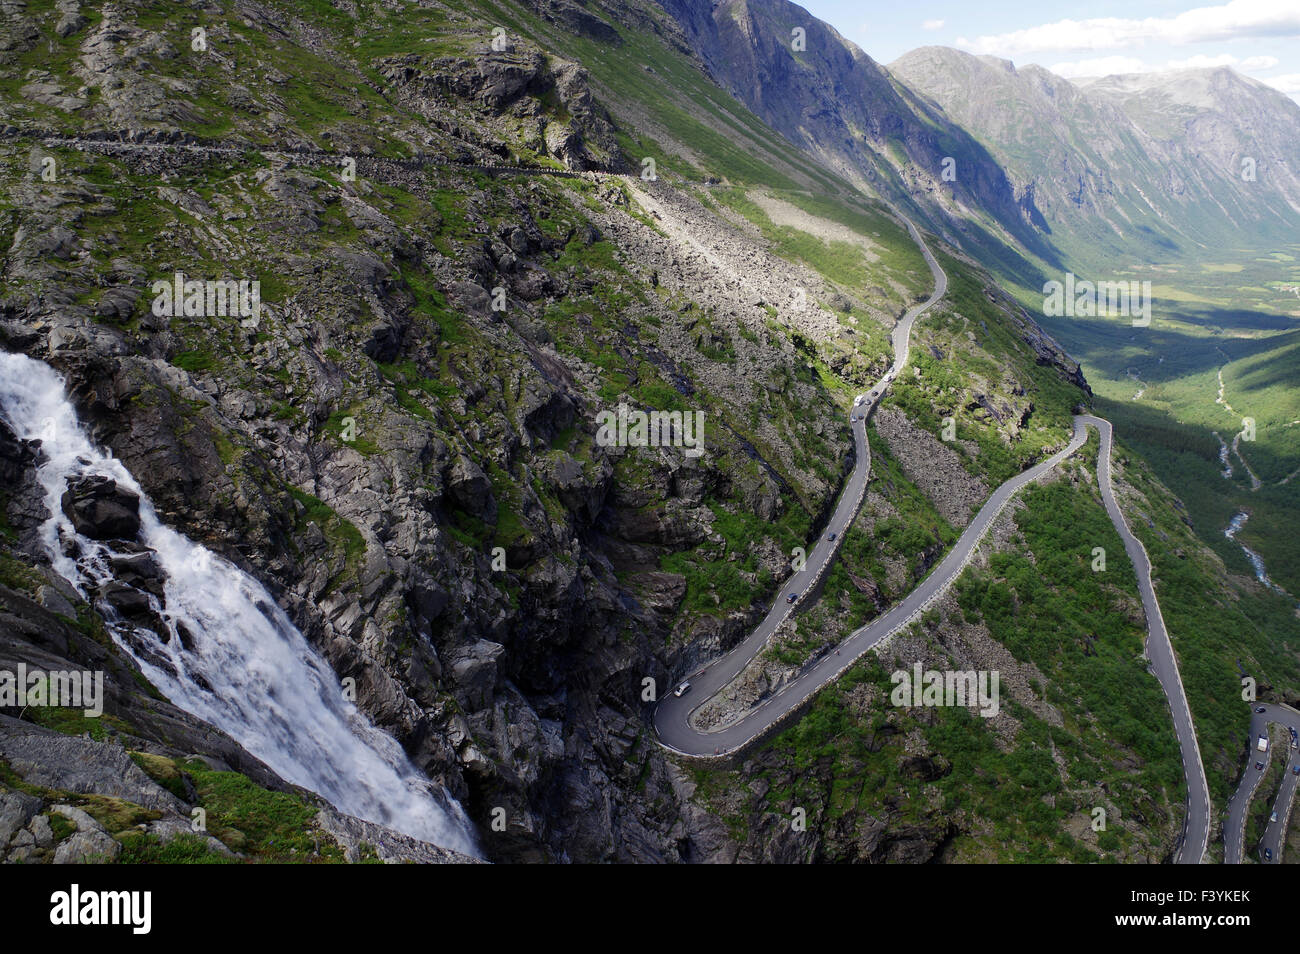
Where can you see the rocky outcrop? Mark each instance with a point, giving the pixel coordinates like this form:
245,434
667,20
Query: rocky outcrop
357,838
73,767
409,467
90,843
102,510
46,758
470,488
514,82
933,466
573,16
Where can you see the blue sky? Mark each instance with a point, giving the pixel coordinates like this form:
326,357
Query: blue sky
1260,38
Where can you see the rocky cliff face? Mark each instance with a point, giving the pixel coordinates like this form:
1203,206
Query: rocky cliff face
124,784
1116,167
401,443
831,98
468,428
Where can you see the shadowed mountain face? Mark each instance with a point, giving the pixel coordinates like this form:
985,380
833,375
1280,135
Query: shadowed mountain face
1098,171
464,269
827,96
380,433
1143,164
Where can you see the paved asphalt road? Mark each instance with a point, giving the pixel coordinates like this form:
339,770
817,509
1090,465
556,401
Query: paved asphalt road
671,717
1234,827
1160,655
673,714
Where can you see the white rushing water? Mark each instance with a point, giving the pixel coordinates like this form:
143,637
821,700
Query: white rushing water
1256,561
232,656
1223,457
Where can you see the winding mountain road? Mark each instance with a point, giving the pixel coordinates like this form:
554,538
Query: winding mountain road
672,716
143,141
1163,662
673,713
1234,826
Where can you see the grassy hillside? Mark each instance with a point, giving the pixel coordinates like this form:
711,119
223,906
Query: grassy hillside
1232,323
369,444
884,783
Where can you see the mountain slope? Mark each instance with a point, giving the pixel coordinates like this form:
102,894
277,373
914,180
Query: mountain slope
367,442
1188,180
833,100
1146,167
414,473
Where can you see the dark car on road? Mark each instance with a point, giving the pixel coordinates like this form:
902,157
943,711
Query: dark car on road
792,597
831,536
1259,766
1261,709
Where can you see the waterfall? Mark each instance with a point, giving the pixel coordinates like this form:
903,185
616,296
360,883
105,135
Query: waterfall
1256,561
1223,456
224,652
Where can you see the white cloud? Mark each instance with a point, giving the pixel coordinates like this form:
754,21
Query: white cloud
1100,66
1202,62
1110,65
933,24
1287,83
1251,64
1238,18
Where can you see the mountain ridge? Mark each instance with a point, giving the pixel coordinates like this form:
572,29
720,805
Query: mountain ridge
413,471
